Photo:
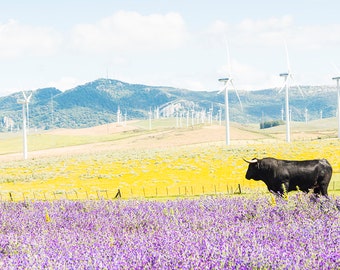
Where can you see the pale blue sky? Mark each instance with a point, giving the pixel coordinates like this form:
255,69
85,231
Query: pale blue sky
169,43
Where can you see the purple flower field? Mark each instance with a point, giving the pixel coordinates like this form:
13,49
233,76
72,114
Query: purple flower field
206,233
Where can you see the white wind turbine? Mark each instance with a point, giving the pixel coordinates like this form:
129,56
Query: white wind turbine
287,78
24,103
150,119
338,90
228,80
337,79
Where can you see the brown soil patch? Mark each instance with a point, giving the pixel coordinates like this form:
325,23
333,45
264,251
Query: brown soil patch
159,139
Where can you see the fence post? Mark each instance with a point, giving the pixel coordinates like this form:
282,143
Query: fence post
239,189
118,195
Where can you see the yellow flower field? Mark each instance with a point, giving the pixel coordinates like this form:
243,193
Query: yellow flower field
181,171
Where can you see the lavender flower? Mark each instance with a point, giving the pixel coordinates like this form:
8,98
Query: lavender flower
206,233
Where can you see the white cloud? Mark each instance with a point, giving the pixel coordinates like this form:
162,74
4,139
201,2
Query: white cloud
248,77
272,32
17,39
247,32
258,53
126,31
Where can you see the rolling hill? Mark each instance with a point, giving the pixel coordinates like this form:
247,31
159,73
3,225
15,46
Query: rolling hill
98,102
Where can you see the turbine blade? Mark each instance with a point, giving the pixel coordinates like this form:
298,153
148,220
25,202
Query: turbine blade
287,57
29,97
336,68
229,61
228,57
301,91
297,86
224,87
231,82
283,86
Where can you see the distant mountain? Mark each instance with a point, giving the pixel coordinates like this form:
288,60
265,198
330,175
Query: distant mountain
99,101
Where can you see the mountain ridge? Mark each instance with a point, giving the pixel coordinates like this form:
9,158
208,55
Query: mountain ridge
99,101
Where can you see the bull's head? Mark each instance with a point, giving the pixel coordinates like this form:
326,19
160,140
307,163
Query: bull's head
253,171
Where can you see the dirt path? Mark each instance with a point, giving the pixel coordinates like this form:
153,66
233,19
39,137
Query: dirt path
159,139
156,140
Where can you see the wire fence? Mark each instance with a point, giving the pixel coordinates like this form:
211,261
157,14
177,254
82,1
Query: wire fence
141,192
125,193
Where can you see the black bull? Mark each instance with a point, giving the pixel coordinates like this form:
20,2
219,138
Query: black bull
285,175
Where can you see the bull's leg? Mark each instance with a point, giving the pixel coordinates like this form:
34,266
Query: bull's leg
323,188
317,190
323,183
281,190
324,179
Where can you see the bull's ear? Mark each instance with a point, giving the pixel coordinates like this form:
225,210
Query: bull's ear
254,160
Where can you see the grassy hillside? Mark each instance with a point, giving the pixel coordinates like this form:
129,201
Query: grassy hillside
98,102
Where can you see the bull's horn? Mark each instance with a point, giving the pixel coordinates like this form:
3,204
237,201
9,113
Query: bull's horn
250,161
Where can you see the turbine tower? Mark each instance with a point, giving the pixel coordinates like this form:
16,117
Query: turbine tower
118,116
150,118
24,103
226,81
287,77
337,79
338,90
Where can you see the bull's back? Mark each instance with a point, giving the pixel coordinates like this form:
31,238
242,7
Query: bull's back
297,165
307,173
